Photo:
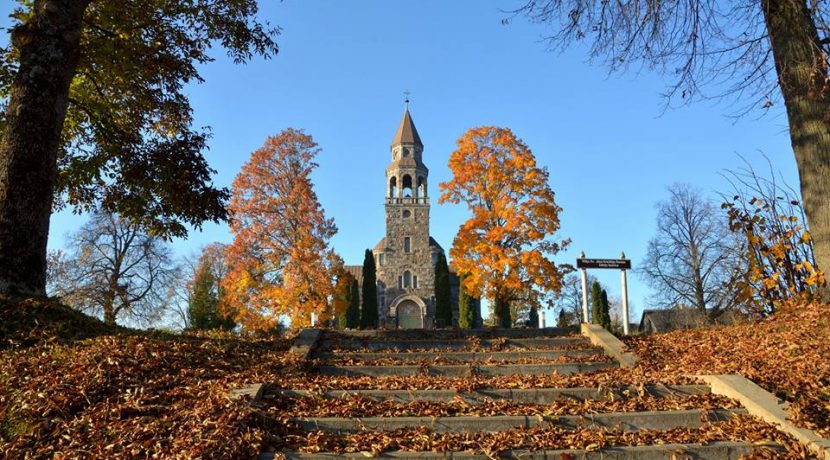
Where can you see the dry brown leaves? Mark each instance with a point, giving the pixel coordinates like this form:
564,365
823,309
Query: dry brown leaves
787,354
357,348
26,322
339,343
359,406
442,358
741,428
134,395
440,334
607,378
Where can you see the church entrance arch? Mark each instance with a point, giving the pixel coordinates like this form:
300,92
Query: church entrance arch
409,316
409,311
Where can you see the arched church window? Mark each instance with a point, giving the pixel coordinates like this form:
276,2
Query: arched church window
422,186
415,282
406,185
407,279
407,213
393,187
407,244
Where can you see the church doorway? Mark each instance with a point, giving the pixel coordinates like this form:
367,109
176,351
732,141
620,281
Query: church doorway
409,315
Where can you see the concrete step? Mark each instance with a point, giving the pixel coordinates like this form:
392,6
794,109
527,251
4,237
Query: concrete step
714,451
626,421
519,396
461,370
556,343
410,334
465,356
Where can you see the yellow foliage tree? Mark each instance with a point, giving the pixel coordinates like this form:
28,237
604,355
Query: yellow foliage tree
504,249
778,246
280,259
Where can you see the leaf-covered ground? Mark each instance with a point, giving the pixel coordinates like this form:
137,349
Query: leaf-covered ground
787,354
30,321
359,406
125,394
72,387
740,428
438,358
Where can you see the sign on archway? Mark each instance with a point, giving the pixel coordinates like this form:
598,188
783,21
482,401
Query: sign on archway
622,264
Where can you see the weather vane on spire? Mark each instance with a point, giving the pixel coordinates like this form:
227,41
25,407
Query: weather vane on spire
406,98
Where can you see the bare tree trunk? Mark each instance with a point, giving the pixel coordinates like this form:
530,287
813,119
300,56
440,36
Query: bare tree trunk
802,75
49,47
700,300
109,312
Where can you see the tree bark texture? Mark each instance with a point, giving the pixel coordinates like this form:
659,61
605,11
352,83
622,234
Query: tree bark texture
802,75
49,47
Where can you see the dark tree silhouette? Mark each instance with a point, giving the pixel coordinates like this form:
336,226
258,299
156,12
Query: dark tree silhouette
369,308
93,115
443,295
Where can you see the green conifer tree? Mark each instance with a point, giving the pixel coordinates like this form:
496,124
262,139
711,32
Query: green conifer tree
596,303
353,312
605,310
369,309
443,295
203,303
343,297
533,317
466,315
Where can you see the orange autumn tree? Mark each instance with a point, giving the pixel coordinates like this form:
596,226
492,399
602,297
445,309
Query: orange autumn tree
280,259
504,249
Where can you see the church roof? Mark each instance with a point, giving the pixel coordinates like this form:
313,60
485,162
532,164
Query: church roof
435,244
407,134
356,271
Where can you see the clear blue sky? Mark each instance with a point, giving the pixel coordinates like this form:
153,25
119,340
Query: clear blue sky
340,75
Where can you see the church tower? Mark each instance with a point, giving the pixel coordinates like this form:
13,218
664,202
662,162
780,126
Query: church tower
406,255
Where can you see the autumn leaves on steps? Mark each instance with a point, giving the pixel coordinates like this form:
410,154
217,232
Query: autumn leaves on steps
511,393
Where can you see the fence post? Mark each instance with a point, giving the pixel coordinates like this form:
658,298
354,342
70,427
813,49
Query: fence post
624,282
584,291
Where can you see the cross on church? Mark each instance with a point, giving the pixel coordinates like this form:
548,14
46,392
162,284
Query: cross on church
406,98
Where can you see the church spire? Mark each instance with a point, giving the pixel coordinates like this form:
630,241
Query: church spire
407,134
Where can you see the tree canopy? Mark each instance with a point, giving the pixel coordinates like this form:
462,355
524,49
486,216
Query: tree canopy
504,249
206,301
93,115
755,53
693,255
115,270
280,259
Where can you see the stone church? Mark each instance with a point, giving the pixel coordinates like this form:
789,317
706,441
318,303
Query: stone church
406,256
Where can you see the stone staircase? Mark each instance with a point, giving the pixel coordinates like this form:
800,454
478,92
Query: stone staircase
346,408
